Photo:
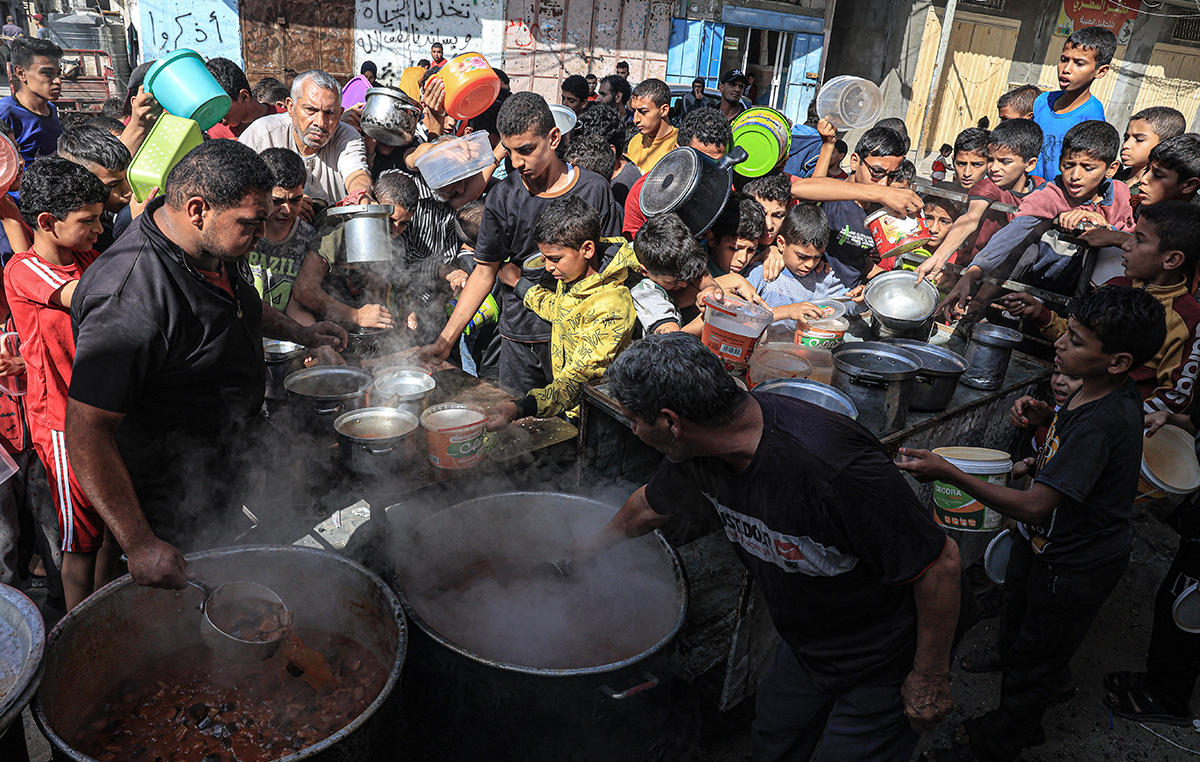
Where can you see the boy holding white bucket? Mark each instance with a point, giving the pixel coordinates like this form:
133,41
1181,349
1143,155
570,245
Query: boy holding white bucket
1078,514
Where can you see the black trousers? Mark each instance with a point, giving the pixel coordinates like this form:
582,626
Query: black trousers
1173,661
1047,613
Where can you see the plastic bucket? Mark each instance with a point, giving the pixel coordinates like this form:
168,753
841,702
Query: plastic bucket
897,235
454,434
766,136
1169,466
850,103
731,329
955,509
827,332
186,88
471,85
169,140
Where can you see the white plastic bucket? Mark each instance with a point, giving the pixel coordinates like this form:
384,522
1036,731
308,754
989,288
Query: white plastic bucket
955,509
1169,466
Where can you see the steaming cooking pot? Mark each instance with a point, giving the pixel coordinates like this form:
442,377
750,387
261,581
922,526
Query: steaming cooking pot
390,116
126,630
690,184
283,358
331,389
572,666
367,231
376,440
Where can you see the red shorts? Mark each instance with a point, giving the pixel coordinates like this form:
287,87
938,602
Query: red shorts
81,526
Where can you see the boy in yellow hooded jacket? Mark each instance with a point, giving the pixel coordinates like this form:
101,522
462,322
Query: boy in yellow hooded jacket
590,310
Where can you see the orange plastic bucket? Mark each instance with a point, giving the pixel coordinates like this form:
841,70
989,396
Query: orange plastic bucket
731,329
897,235
471,85
454,434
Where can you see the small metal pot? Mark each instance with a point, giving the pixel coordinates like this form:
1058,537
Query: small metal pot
376,440
331,389
367,231
988,353
390,116
878,378
815,392
283,358
938,377
405,389
692,185
901,305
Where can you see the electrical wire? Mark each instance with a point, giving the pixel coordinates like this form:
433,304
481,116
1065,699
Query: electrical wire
1168,740
1141,12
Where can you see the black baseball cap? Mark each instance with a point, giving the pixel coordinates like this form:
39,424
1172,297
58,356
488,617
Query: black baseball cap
733,75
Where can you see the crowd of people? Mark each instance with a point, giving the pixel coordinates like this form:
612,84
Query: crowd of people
139,326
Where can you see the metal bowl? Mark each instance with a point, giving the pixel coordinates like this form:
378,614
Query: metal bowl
412,385
815,392
278,352
22,641
898,302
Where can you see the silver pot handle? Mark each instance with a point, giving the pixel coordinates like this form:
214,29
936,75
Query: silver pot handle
651,682
867,379
327,410
380,450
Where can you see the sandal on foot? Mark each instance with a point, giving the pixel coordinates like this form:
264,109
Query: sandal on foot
1117,682
982,660
1139,705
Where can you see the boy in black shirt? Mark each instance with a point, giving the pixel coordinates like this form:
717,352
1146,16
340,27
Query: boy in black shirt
526,127
1077,515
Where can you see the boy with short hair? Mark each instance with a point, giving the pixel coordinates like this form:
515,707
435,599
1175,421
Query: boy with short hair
802,239
904,175
62,202
1084,193
1160,259
656,136
733,238
773,193
1146,129
1012,153
98,151
592,152
1018,102
971,156
1076,518
30,111
275,260
1085,57
602,119
575,93
590,308
671,262
942,164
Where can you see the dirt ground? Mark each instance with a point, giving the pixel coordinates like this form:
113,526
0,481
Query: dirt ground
1080,730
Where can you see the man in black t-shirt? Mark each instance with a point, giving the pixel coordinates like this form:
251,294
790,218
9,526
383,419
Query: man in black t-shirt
526,127
861,584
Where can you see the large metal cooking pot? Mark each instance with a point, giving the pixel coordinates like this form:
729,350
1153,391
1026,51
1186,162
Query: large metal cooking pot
376,440
690,184
901,307
331,388
22,641
367,231
878,378
988,353
938,377
406,389
390,116
124,629
283,358
607,711
815,392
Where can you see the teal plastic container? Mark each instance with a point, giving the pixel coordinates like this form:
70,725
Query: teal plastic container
186,88
169,140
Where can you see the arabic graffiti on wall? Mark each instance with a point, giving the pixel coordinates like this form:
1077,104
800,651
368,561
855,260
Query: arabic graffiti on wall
396,34
1118,19
210,28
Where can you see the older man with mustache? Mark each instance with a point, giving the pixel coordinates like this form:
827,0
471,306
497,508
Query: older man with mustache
334,153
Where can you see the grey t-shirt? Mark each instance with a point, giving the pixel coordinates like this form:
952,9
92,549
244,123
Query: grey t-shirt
275,264
328,168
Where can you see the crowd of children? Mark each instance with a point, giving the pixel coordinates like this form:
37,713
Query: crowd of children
549,268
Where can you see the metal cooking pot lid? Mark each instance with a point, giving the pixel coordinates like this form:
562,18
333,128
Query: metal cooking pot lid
329,382
673,178
366,210
934,360
891,363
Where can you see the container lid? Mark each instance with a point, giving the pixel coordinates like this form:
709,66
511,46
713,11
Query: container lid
873,358
832,324
329,382
935,360
995,558
830,307
810,391
977,460
1170,455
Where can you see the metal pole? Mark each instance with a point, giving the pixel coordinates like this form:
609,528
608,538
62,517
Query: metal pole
947,28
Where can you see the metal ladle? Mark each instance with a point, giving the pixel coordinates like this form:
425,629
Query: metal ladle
222,643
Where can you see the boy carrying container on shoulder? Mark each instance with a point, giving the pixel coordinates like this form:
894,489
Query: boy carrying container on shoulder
1077,515
590,311
62,201
1160,259
1084,195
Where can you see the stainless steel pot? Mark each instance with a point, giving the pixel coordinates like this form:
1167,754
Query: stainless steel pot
988,353
610,712
367,231
938,377
815,392
878,378
390,116
900,305
406,389
376,440
283,358
125,629
22,642
331,389
691,185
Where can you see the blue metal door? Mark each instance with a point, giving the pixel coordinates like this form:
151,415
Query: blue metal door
803,75
695,51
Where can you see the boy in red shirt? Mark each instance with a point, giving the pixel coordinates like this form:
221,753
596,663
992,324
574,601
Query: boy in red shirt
62,202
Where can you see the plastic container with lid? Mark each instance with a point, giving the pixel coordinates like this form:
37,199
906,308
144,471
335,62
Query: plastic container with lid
471,85
455,159
1169,466
850,103
783,361
732,327
169,140
955,509
186,88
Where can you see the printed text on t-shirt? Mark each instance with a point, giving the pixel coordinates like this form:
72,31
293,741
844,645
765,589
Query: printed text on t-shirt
792,554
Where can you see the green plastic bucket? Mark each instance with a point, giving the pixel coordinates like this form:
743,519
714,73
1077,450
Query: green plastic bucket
169,140
185,88
955,509
765,135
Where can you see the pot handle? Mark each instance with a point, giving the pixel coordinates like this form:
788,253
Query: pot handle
867,379
736,156
380,450
323,408
651,682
